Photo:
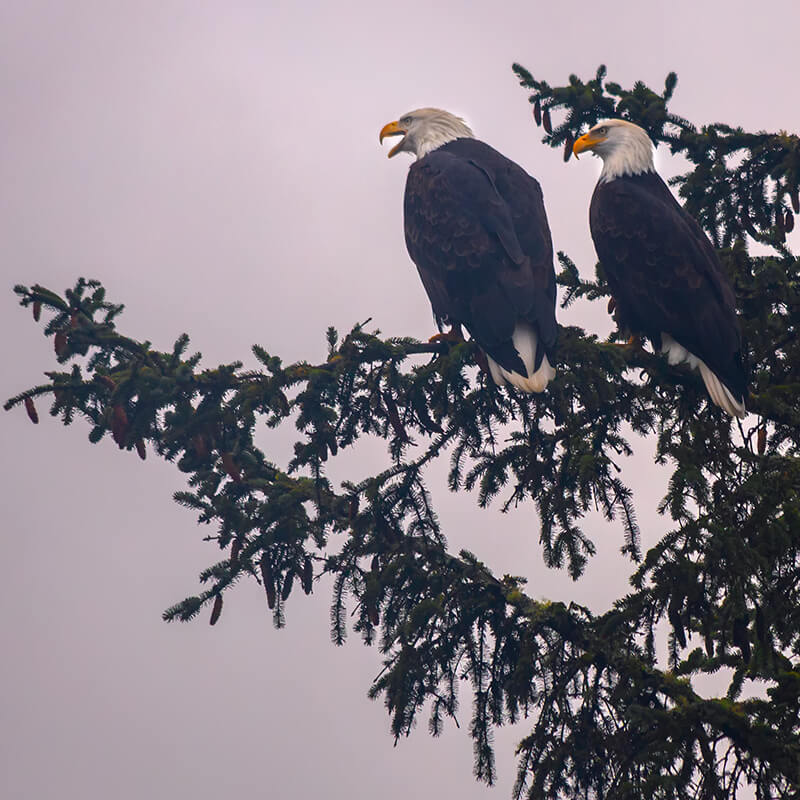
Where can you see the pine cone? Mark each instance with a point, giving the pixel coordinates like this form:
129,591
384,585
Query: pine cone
307,579
373,614
216,610
568,148
60,344
268,578
230,467
31,409
119,425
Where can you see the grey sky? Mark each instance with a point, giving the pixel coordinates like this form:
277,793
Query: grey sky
217,166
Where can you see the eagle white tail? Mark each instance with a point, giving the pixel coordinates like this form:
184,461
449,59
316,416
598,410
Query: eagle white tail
525,341
719,393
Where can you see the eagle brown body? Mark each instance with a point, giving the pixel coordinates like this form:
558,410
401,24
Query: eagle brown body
664,274
662,269
476,229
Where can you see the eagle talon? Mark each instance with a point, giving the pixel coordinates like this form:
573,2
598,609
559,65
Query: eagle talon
633,343
453,336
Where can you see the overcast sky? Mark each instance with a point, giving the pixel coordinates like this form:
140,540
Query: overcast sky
217,166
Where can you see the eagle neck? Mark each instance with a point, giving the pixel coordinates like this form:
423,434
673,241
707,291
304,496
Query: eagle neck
440,133
632,156
617,166
434,143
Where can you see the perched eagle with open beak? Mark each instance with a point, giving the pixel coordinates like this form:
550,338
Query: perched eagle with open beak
662,269
476,228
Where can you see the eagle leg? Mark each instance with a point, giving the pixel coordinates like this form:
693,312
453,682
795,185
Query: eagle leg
454,335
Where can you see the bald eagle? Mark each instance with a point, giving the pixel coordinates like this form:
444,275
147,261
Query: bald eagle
662,269
476,228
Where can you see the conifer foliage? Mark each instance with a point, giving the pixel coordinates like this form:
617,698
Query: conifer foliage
607,719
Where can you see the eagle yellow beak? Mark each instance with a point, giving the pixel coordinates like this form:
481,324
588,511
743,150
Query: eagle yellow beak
587,142
393,129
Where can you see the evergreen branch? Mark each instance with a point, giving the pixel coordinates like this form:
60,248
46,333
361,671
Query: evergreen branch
607,720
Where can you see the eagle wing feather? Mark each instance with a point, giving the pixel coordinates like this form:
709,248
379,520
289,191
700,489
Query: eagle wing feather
476,229
664,273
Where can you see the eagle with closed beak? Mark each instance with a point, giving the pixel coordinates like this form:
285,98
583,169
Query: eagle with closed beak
663,271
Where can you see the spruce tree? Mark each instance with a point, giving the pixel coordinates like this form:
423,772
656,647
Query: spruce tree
607,718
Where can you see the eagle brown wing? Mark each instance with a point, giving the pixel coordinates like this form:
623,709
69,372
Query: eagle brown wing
476,228
664,273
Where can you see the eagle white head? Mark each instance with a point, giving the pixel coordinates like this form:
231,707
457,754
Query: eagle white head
424,130
625,148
